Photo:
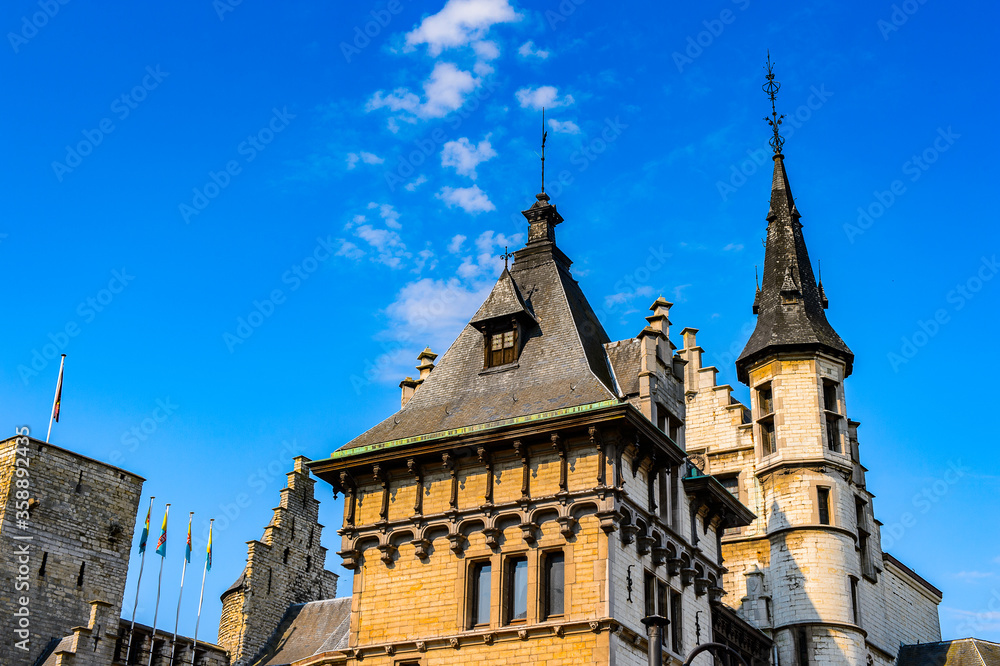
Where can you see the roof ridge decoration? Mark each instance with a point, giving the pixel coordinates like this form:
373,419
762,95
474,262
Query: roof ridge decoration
789,303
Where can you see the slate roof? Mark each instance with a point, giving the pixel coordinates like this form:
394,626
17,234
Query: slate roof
963,652
625,361
802,324
563,362
307,630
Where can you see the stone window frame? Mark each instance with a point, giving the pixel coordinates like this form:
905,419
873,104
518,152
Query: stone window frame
765,419
506,588
853,583
543,588
832,499
470,597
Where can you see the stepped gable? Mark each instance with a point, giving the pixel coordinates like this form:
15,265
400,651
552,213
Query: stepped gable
562,363
789,304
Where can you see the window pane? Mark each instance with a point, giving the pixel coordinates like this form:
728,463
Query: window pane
519,589
481,594
732,484
649,592
497,342
766,401
833,435
661,599
555,583
508,339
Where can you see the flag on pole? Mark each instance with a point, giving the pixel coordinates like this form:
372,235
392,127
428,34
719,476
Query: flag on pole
208,556
187,551
58,401
161,544
145,528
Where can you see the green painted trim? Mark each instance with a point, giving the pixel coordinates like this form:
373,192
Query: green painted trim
345,453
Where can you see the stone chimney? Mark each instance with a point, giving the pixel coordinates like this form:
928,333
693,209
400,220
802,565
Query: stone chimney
409,385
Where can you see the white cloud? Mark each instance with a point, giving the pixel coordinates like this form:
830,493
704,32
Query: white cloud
445,90
417,182
486,50
547,96
459,23
455,246
560,127
626,296
679,292
349,250
367,158
733,247
387,244
470,199
528,50
465,156
388,213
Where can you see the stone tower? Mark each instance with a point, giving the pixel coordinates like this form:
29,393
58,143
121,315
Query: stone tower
809,570
795,365
285,567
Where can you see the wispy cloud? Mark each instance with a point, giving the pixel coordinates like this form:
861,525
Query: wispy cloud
388,213
415,183
626,296
528,50
366,158
733,247
470,199
465,156
547,96
445,90
561,127
455,246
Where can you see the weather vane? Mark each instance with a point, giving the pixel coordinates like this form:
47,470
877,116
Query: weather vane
771,88
506,256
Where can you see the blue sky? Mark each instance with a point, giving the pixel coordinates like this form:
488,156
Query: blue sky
258,215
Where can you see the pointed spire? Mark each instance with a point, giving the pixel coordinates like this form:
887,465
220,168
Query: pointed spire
788,303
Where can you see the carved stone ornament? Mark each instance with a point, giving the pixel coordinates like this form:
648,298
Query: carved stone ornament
454,643
687,576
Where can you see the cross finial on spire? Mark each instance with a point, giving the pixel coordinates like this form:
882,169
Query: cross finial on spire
771,88
544,136
506,256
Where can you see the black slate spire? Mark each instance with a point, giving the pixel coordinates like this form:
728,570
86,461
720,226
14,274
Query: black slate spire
789,304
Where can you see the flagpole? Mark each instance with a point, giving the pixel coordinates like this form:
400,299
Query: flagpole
177,619
142,563
156,610
55,400
201,597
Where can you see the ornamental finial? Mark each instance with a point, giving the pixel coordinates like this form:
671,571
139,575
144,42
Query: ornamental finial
771,88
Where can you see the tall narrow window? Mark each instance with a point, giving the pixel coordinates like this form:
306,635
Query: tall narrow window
867,566
674,431
694,525
663,482
855,606
765,399
517,589
675,501
480,594
662,598
765,419
649,594
823,504
833,433
79,579
41,569
676,622
802,646
830,396
555,585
